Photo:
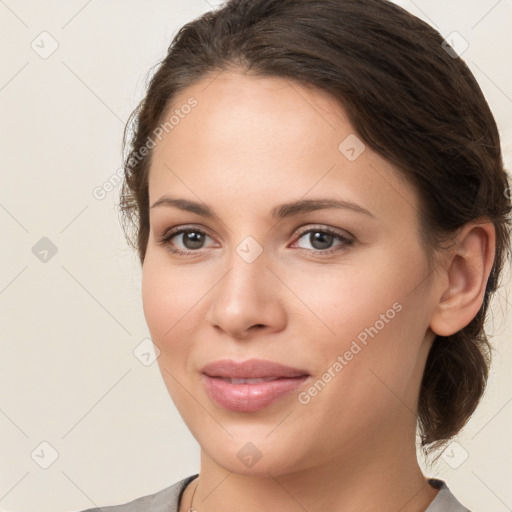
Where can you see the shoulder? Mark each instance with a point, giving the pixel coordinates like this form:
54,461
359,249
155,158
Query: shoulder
445,501
165,500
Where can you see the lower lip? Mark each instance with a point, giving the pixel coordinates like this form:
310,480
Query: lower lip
249,397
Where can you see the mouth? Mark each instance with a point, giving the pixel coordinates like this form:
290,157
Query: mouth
251,369
250,385
247,381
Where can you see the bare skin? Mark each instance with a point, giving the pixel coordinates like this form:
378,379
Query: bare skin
250,145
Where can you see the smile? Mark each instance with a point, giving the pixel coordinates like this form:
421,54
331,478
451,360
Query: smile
250,385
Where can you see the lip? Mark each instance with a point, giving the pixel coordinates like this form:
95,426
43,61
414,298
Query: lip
247,397
250,369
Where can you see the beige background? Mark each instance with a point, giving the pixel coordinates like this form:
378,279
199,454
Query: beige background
69,326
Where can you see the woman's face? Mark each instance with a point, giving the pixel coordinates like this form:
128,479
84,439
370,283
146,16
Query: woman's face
341,294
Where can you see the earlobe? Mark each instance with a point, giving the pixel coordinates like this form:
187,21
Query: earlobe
465,278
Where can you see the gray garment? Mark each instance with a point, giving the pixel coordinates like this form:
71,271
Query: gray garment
445,501
167,500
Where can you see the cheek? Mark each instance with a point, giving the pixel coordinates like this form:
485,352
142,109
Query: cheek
365,374
375,351
168,303
168,300
345,301
155,302
365,310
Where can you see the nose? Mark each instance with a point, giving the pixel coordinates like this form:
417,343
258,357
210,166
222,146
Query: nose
247,299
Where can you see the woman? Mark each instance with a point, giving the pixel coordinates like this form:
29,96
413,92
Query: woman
321,214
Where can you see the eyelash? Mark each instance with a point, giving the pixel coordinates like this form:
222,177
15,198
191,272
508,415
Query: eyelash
166,238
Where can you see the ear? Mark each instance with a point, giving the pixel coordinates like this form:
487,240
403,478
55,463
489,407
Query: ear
464,278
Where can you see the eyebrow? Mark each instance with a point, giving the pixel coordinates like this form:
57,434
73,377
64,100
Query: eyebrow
279,212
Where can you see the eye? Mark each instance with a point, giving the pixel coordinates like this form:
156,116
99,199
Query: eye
191,238
322,238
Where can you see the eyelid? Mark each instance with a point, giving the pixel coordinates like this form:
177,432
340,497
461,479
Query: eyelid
327,229
164,239
298,232
345,237
185,227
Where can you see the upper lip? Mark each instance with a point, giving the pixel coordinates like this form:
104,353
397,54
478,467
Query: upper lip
250,369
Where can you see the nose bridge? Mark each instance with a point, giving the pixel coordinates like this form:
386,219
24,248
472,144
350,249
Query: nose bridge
244,296
247,264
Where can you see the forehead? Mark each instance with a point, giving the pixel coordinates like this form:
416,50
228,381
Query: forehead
269,138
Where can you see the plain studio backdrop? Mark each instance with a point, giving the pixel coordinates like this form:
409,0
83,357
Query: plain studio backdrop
85,419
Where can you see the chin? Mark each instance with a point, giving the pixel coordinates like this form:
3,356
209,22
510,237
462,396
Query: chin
260,457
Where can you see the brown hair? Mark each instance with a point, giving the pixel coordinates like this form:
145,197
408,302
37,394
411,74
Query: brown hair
408,97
